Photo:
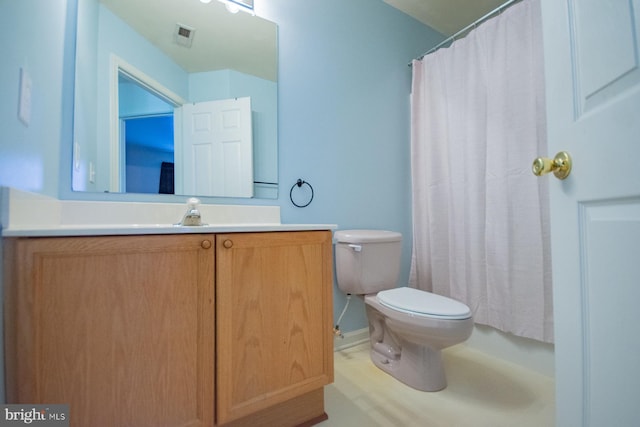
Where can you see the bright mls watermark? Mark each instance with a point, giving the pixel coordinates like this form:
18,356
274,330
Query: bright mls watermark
35,415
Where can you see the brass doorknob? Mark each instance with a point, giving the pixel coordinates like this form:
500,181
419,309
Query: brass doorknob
560,165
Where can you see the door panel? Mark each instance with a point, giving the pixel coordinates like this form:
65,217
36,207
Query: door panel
216,149
603,35
593,105
274,317
121,328
611,271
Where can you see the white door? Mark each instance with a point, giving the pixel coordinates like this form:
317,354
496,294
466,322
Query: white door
216,149
593,101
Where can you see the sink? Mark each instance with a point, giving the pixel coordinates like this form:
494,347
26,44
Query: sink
29,214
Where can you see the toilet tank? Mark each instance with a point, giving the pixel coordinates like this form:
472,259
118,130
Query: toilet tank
367,261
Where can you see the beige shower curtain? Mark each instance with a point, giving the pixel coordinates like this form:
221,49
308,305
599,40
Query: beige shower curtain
481,226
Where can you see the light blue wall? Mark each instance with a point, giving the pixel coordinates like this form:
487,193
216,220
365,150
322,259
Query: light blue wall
116,37
344,116
33,34
343,124
86,91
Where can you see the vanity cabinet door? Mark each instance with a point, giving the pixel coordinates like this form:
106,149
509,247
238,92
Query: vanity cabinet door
274,320
119,328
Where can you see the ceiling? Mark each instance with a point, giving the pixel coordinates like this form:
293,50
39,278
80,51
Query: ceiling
219,36
221,40
446,16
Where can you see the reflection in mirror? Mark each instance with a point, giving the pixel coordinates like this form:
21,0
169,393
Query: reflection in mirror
135,72
146,139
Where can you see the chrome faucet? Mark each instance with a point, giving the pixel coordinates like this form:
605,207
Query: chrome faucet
192,216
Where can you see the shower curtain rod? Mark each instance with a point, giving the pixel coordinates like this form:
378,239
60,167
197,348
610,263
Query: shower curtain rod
474,24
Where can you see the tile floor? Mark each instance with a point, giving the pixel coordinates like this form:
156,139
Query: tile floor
482,392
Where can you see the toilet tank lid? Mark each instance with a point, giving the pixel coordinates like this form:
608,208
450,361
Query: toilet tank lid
366,236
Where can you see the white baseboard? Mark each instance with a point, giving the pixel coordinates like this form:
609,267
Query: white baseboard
527,353
351,339
534,355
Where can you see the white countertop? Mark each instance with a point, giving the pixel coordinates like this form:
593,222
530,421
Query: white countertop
24,214
138,229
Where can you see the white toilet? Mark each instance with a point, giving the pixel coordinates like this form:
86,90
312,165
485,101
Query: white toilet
408,327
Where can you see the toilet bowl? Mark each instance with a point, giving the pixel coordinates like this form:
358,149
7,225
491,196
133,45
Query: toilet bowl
408,327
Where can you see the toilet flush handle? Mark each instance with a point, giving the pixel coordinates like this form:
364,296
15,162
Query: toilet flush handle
357,248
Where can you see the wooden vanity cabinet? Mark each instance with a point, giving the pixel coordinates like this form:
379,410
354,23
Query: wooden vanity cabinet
274,347
171,330
120,328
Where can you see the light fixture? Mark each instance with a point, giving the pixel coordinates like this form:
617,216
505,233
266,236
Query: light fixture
205,1
234,6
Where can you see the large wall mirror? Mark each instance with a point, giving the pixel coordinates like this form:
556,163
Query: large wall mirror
175,97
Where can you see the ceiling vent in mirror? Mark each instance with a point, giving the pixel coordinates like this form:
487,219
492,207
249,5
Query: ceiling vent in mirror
183,35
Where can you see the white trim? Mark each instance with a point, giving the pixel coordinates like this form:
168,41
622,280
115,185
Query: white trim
114,127
350,339
531,354
117,65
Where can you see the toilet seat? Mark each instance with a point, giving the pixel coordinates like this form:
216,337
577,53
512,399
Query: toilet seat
421,303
